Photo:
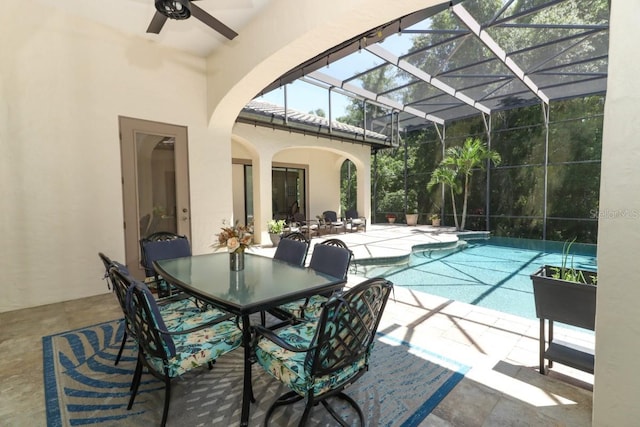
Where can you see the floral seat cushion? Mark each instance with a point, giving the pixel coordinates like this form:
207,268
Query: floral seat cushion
185,314
289,367
310,311
185,351
198,348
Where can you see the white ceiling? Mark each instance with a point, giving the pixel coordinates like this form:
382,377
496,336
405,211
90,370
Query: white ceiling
132,17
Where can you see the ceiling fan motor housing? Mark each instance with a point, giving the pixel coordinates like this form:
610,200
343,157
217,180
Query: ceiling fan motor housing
174,9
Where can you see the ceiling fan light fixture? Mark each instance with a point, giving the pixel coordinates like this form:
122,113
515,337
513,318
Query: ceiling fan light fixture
174,9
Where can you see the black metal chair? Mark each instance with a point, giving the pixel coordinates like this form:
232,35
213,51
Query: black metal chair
331,257
292,248
334,224
355,222
170,353
321,362
158,246
308,227
176,311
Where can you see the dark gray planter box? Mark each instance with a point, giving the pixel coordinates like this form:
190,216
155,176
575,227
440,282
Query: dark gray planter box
566,302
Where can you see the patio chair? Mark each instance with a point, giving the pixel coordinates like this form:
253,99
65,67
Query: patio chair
158,246
166,353
355,222
292,249
308,227
176,311
331,257
322,361
334,224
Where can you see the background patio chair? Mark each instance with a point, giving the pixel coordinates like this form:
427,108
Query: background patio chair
317,363
334,224
168,354
355,222
308,227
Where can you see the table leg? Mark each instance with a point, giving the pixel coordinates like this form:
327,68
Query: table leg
247,389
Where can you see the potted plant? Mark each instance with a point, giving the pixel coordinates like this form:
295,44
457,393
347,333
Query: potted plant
435,220
411,213
567,295
275,227
412,217
391,218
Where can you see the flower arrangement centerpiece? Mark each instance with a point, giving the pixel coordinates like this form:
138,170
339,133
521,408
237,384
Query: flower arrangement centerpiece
235,238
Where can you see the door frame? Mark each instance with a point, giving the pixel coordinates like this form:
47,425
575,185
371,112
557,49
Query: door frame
129,128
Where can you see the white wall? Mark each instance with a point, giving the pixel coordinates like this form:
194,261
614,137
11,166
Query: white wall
63,84
323,157
617,383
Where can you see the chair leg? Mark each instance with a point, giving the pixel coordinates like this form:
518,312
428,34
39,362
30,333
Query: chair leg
167,398
285,399
124,341
306,413
136,382
136,374
351,402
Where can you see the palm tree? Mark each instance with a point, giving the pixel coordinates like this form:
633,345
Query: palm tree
462,161
446,175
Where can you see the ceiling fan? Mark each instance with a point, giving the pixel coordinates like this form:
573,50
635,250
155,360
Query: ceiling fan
183,9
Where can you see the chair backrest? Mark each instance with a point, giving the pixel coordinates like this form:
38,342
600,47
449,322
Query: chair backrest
144,314
291,251
299,218
335,242
121,280
296,235
162,245
351,214
331,260
109,264
347,327
330,216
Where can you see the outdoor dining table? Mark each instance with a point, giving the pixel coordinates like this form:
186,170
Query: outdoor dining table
263,284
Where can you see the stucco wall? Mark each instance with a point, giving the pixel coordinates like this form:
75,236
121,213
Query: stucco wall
322,156
64,82
617,384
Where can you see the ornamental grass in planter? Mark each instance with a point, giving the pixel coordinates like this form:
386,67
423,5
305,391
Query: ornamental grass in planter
567,295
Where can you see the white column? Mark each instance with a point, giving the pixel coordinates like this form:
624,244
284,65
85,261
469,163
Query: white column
616,387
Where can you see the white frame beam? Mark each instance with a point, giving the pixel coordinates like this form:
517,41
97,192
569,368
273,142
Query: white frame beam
372,96
498,51
384,54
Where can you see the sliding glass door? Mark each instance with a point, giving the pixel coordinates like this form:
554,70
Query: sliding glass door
288,191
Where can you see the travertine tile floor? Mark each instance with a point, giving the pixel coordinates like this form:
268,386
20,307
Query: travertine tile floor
502,388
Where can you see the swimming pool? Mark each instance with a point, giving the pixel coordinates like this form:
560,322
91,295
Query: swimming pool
492,273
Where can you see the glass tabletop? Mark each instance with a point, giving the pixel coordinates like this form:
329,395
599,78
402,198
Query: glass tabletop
263,283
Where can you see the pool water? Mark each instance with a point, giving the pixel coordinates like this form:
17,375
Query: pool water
492,273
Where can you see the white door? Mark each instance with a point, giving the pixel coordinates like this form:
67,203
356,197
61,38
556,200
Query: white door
155,181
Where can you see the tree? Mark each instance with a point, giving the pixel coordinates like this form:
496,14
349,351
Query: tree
460,162
446,175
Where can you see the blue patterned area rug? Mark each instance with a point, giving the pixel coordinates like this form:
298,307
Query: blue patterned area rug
83,387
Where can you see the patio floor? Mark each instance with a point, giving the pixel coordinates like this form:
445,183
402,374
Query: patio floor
502,388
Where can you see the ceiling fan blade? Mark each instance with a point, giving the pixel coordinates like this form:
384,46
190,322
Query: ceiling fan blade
157,22
212,22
